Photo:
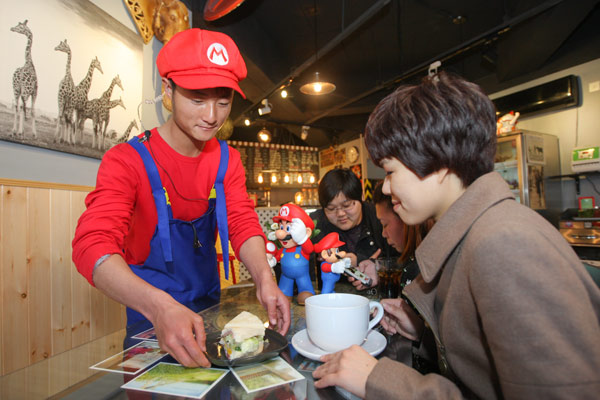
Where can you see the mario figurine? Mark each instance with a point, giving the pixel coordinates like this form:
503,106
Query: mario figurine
334,262
295,228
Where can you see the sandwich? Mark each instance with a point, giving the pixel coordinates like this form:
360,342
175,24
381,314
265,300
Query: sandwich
243,336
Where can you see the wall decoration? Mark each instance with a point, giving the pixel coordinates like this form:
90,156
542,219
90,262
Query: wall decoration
71,79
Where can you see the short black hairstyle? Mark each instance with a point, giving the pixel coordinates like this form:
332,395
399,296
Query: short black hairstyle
444,122
222,91
339,180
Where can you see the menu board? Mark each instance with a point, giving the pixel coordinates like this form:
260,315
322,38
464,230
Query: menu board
279,161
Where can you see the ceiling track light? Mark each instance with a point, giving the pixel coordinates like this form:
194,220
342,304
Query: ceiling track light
304,133
266,107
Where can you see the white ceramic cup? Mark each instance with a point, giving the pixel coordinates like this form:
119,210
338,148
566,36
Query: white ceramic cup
336,321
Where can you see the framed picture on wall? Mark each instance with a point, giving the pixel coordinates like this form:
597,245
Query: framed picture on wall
71,79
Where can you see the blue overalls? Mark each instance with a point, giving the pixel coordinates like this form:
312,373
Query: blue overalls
329,279
183,259
294,267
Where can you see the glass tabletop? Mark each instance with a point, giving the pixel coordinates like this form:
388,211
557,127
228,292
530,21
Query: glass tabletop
68,376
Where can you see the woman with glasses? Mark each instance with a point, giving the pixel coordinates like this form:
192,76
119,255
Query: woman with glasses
344,212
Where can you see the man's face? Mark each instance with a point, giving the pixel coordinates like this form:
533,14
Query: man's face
200,113
414,199
344,213
393,227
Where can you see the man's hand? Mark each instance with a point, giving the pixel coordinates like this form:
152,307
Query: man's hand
348,369
180,332
298,231
276,304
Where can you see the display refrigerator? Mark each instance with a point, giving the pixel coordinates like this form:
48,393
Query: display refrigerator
526,160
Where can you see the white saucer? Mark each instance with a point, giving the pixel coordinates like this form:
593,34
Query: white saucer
374,344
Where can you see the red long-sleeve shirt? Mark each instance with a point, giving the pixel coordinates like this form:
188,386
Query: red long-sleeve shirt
121,214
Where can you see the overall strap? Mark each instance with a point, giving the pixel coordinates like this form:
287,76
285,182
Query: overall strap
158,192
222,206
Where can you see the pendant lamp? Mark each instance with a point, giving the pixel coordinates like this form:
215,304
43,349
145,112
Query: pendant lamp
317,87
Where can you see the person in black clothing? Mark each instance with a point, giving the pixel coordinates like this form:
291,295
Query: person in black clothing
343,211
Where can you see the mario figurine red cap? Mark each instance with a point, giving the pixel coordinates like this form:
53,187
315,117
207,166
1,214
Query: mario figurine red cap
330,241
289,211
200,59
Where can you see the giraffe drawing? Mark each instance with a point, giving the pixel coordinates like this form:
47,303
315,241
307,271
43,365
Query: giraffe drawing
105,116
24,83
94,110
80,97
123,138
66,88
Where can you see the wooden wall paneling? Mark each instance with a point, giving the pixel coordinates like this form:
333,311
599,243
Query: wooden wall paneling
15,382
80,364
60,372
81,288
98,316
113,315
15,343
61,270
1,278
38,380
40,300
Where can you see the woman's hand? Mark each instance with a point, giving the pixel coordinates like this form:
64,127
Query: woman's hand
400,318
348,369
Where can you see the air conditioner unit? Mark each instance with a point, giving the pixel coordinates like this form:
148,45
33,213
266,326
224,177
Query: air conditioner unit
558,94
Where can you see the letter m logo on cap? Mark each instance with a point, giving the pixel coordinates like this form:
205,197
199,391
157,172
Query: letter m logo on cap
217,54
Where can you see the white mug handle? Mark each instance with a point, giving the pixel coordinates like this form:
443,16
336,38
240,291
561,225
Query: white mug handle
377,316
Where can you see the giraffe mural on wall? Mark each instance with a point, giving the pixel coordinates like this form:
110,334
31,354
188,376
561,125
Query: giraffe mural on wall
80,98
66,89
123,138
24,84
95,109
105,116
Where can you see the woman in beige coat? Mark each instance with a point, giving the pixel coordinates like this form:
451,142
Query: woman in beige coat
514,313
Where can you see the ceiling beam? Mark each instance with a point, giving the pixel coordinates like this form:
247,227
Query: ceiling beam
353,27
464,47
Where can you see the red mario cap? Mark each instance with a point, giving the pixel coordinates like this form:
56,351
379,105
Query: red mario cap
200,59
330,241
289,211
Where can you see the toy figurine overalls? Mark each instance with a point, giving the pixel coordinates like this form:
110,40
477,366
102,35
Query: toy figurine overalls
329,279
294,268
183,259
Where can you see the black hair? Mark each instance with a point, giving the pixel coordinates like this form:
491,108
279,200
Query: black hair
380,198
444,122
336,181
223,92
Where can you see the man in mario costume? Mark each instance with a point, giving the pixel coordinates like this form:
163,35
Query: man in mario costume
147,237
295,228
333,263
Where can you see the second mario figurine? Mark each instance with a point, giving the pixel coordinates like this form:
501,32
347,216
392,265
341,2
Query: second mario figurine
334,262
295,228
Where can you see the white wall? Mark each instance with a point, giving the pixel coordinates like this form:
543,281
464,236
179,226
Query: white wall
37,164
575,127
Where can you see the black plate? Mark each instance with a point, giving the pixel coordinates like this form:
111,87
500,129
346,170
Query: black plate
276,343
